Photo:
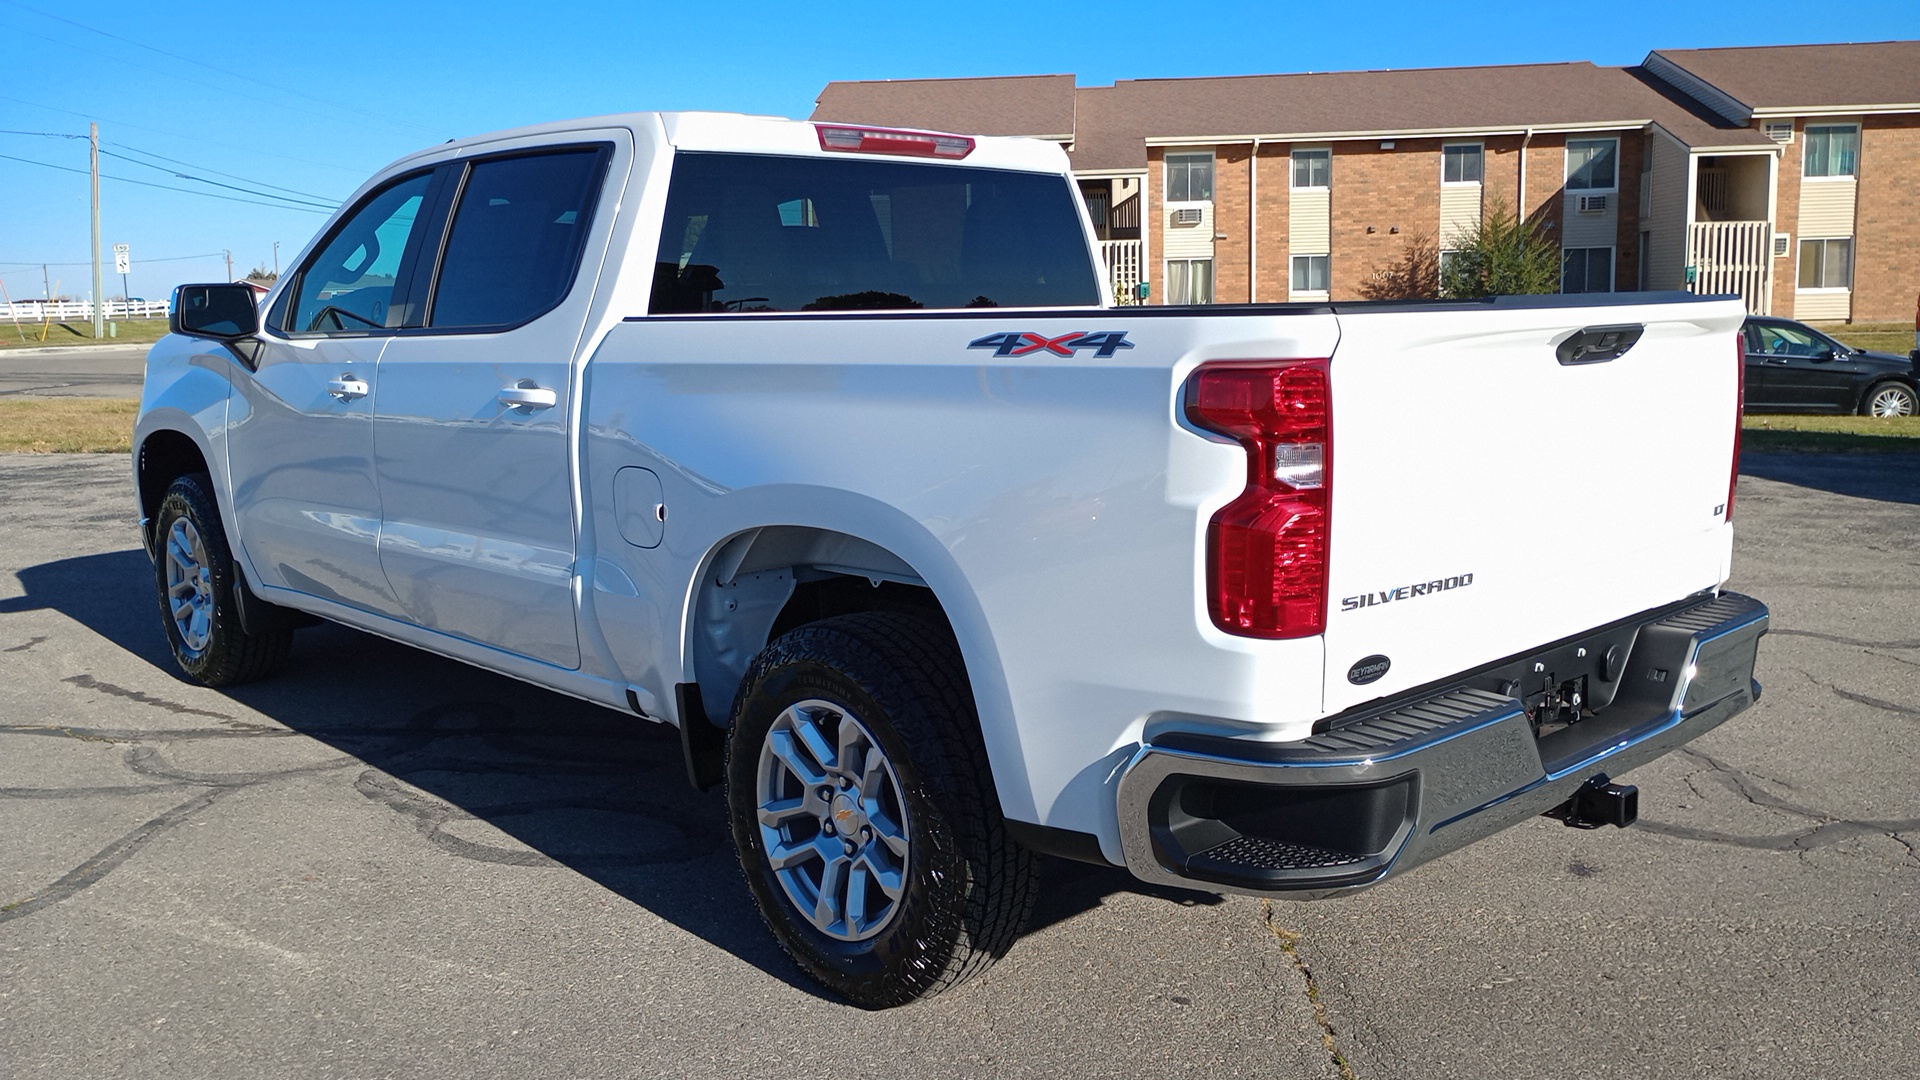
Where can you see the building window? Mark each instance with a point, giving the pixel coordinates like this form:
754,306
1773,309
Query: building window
1189,281
1312,168
1832,151
1586,270
1826,264
1310,273
1190,177
1465,164
1592,164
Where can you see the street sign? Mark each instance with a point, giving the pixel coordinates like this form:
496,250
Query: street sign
122,258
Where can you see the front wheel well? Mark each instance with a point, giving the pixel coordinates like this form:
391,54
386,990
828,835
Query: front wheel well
165,456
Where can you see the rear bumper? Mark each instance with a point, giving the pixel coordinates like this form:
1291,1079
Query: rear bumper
1390,790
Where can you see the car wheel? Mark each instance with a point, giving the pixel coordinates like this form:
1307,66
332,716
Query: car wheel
1889,399
197,579
864,811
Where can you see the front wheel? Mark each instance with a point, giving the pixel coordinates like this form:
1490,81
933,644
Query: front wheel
1890,399
197,581
865,814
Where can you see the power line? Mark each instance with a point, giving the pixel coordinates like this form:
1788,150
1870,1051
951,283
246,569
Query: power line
169,258
44,134
165,187
329,200
329,207
178,135
204,64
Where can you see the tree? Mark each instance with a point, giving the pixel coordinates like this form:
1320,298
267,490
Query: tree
263,275
1501,256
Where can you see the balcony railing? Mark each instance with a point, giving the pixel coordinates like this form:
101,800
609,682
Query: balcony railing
1123,259
1733,257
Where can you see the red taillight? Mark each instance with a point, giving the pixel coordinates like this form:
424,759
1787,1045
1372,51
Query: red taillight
867,140
1739,413
1267,549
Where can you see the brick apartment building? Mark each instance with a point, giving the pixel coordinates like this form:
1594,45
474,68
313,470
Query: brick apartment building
1789,175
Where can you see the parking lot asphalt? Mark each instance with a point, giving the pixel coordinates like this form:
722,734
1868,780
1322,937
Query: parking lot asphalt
74,371
384,863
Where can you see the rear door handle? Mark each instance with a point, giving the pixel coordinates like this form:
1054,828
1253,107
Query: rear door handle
347,388
530,398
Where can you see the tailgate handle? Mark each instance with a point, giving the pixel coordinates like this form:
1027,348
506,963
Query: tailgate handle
1599,344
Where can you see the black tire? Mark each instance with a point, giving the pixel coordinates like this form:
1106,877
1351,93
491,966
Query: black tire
968,887
1906,402
211,647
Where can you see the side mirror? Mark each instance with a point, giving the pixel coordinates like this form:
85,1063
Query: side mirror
226,312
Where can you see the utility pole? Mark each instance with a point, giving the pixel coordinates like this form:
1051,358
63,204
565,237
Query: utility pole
229,255
276,263
99,280
46,283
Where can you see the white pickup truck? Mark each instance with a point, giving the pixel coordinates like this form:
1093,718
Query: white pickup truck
829,446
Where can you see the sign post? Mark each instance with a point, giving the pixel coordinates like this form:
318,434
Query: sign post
122,264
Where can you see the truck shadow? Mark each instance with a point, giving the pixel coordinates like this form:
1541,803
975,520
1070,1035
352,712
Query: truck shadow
487,768
1889,477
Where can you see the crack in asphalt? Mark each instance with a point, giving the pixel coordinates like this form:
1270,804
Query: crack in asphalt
1290,944
88,682
1874,702
688,833
1828,828
1838,639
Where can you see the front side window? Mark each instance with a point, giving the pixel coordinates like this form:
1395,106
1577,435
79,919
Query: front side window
1462,164
516,239
1190,177
1832,151
1312,168
1826,264
1592,164
1310,273
348,287
1189,281
752,233
1586,270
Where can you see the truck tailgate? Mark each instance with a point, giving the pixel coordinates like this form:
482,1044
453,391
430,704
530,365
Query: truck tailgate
1489,498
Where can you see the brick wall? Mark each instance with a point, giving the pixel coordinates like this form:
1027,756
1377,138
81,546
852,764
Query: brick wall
1384,190
1886,260
1156,194
1787,220
1232,198
1276,175
1626,257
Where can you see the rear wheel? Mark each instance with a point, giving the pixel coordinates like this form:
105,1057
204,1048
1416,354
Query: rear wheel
197,580
864,812
1890,399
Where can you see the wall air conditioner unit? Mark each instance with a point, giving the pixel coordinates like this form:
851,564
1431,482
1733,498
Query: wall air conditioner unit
1781,132
1593,204
1782,243
1190,216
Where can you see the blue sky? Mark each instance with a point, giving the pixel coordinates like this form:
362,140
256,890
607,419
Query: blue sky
305,101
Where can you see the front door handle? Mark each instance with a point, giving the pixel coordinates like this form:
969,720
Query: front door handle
347,388
1777,361
529,398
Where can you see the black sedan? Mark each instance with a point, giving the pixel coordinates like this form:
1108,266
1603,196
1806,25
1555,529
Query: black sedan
1792,367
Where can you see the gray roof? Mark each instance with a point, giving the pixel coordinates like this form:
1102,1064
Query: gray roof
1783,78
1111,124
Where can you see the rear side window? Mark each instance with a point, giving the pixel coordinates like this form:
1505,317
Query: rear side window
748,233
516,239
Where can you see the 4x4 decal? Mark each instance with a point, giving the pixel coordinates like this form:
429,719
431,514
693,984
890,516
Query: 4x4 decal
1016,343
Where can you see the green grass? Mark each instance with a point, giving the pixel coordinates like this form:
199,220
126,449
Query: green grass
28,334
1832,434
1893,337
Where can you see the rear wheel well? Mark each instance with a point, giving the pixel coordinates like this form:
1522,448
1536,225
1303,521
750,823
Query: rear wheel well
166,456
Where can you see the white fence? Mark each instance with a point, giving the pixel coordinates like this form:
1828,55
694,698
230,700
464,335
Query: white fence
1123,266
82,310
1733,257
